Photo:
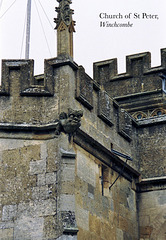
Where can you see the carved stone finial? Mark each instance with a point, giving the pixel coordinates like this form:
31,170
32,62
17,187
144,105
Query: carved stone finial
65,28
69,123
64,13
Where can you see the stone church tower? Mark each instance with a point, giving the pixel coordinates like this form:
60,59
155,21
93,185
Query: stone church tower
82,158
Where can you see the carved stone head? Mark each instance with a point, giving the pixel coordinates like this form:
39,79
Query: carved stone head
72,121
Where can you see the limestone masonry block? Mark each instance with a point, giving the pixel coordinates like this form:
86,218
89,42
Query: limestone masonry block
51,178
83,218
29,228
9,212
41,192
67,202
68,173
41,179
37,167
6,234
44,208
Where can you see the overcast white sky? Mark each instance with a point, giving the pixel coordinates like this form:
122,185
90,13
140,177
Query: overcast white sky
91,42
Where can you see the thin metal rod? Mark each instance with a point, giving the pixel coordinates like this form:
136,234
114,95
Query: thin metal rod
115,180
46,15
28,30
120,174
7,9
42,27
1,3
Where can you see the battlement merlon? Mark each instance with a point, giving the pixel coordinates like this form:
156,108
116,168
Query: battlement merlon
27,83
139,76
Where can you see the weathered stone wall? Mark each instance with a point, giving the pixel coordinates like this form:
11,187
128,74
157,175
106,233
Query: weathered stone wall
152,214
28,189
107,214
152,150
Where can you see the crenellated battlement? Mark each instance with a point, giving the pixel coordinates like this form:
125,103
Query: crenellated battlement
136,65
38,100
21,93
141,90
139,76
28,84
35,102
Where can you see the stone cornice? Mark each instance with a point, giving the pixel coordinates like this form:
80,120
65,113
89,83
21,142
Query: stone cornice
135,95
27,127
152,184
151,121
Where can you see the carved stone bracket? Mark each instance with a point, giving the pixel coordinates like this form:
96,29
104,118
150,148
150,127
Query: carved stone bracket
69,123
68,220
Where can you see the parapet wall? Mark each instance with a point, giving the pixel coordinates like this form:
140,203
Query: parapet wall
139,76
26,99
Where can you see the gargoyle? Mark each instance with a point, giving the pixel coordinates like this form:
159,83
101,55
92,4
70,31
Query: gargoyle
69,123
